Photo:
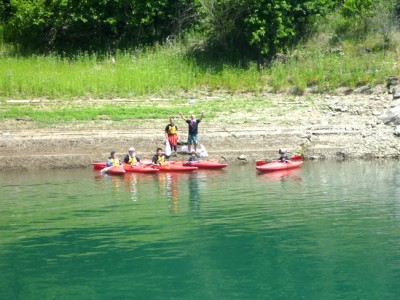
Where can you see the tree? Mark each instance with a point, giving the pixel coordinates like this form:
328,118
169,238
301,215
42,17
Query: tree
384,19
273,26
259,27
68,25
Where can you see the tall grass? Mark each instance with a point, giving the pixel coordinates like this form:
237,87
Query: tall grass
167,71
325,73
158,71
322,64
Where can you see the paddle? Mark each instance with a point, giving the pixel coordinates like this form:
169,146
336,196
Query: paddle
293,158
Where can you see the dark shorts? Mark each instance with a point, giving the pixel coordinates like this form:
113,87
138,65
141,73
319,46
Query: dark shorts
192,139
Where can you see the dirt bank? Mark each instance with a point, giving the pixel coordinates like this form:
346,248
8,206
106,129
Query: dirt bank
321,127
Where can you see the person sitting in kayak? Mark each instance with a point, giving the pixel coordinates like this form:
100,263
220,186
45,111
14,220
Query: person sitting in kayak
193,157
131,158
159,158
113,161
283,158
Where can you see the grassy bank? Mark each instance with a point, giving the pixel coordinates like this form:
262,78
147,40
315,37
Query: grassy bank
166,71
67,112
67,86
160,71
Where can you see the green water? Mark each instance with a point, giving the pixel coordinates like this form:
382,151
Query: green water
327,231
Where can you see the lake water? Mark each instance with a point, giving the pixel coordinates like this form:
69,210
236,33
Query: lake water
326,231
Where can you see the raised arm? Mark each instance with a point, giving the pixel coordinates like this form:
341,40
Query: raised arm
180,113
202,115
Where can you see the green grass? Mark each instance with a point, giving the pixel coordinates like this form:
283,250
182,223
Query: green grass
167,71
327,72
162,71
322,64
68,112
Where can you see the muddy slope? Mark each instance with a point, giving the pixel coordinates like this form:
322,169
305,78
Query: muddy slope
328,127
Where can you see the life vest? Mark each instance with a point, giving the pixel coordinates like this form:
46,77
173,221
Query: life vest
161,159
172,129
132,160
114,161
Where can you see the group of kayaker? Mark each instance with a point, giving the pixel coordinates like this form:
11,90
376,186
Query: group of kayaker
171,132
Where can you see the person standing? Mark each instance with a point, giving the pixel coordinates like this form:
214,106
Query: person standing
193,130
171,132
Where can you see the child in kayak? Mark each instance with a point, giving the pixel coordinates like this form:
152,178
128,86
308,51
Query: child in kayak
131,158
159,158
113,161
193,157
283,158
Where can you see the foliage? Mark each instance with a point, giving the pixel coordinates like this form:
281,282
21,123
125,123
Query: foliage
356,8
384,19
4,10
91,24
259,28
273,26
239,27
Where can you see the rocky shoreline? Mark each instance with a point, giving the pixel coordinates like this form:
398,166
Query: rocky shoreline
346,126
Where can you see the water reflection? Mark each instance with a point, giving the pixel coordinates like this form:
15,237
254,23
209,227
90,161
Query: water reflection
194,194
179,190
168,184
282,176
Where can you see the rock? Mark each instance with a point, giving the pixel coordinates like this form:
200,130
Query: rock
392,81
396,94
365,90
371,124
242,157
376,113
324,123
392,115
337,108
397,131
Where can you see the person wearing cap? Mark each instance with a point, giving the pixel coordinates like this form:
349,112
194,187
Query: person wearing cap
283,157
193,157
159,158
113,160
171,132
131,158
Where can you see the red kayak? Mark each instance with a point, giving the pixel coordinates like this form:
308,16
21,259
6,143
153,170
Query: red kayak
277,166
205,164
99,165
116,170
139,169
174,168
